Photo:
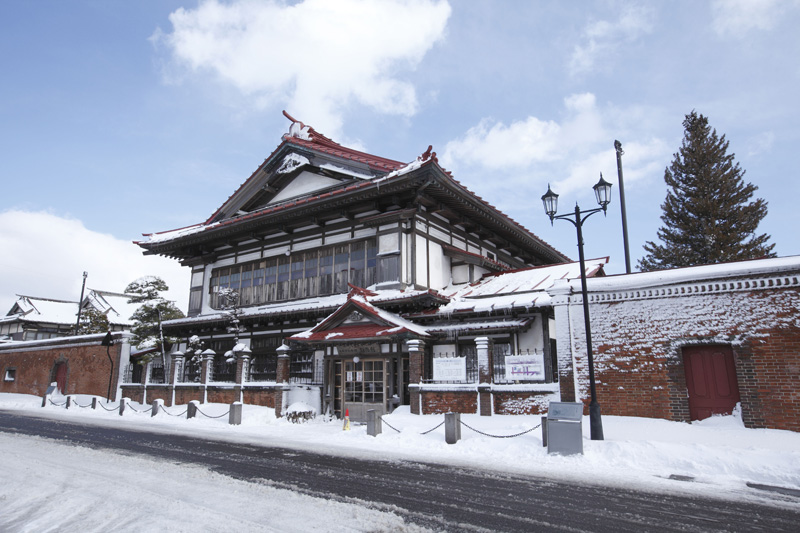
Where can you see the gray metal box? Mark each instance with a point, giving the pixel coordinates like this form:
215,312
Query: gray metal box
565,428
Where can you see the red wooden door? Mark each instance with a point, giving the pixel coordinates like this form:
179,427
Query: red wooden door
711,380
61,377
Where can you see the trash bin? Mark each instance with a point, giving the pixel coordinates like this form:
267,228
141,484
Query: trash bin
565,428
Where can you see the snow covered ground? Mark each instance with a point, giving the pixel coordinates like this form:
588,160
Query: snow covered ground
84,489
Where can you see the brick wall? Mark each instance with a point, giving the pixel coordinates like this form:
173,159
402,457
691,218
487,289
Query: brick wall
638,346
184,395
437,402
261,396
159,392
135,392
222,395
522,403
34,364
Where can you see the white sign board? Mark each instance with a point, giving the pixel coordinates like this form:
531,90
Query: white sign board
529,367
449,368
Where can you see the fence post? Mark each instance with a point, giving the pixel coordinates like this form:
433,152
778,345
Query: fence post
69,401
122,403
544,431
452,427
157,405
94,403
44,400
374,425
235,415
191,409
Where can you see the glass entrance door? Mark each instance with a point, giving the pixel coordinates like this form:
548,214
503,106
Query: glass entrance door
364,388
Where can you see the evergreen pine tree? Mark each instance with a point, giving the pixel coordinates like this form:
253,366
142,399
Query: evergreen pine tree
92,321
708,216
145,330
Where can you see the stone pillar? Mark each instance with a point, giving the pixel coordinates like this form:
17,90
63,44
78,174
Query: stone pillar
242,371
282,377
175,371
145,380
416,356
206,370
485,375
207,366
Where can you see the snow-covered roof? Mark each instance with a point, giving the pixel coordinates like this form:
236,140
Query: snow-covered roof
379,323
308,304
739,269
371,172
514,289
36,309
114,305
65,312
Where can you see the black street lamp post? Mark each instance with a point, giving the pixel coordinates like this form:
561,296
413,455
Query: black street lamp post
602,191
107,342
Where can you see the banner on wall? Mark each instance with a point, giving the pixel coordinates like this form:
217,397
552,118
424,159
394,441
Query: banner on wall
449,368
528,367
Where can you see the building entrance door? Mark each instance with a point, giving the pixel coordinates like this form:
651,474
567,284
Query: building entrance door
711,380
61,377
364,387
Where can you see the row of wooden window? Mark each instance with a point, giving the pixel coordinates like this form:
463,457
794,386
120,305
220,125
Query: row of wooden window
306,274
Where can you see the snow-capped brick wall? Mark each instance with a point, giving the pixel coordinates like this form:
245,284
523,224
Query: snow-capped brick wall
522,403
87,366
260,396
452,401
185,394
639,336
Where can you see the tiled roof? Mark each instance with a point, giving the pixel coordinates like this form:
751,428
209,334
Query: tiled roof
352,332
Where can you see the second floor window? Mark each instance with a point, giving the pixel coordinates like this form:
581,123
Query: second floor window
303,274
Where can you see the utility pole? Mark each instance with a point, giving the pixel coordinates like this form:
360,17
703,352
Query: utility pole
618,148
80,303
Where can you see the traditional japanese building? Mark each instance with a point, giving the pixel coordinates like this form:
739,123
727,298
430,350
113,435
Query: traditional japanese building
36,318
361,283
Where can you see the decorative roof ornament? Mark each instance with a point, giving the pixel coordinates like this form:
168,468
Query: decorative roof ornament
297,128
358,291
428,154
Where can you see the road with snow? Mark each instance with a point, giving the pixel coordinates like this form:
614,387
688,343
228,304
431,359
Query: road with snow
433,496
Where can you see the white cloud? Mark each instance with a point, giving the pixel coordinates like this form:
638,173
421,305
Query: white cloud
601,38
316,56
737,17
529,153
45,255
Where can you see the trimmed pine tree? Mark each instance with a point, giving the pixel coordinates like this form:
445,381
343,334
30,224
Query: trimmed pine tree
708,215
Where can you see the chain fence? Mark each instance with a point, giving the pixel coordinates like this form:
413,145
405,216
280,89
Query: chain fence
501,436
209,416
164,409
470,427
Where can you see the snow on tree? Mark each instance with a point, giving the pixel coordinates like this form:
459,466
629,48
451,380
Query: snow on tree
708,216
153,310
92,321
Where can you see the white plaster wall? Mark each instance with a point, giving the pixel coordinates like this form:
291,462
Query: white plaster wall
422,260
439,266
533,338
460,274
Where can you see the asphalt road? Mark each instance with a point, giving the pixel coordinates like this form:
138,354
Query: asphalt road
440,497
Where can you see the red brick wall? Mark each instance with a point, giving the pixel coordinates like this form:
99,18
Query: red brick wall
639,362
88,368
437,402
521,403
219,395
159,392
133,392
184,395
265,397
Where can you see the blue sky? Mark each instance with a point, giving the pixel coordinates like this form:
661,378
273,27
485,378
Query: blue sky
121,118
